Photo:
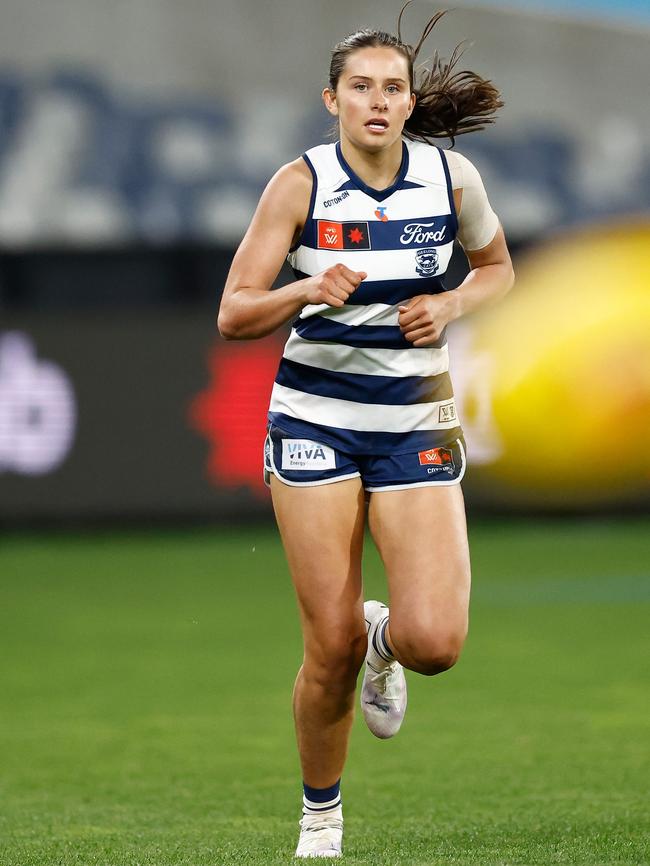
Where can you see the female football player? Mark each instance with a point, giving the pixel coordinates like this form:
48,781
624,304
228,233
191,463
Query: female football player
362,406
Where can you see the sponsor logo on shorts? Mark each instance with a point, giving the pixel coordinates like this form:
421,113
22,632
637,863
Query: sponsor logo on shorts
426,262
304,454
343,236
437,460
446,412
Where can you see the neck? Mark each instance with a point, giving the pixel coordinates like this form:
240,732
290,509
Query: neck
377,169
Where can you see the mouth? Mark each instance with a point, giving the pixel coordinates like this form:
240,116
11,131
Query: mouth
377,124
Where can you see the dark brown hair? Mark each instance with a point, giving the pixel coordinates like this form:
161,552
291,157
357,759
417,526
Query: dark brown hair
448,102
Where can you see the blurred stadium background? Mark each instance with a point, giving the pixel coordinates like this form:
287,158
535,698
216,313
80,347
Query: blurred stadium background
135,139
134,143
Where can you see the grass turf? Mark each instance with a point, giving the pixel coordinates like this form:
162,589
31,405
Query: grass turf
145,685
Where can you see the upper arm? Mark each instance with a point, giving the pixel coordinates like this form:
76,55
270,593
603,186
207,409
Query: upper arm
278,220
477,222
494,253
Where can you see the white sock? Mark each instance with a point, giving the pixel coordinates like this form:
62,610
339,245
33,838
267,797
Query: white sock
379,653
321,801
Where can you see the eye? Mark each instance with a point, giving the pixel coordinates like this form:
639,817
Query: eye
392,88
360,86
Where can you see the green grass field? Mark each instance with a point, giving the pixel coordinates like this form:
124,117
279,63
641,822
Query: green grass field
145,685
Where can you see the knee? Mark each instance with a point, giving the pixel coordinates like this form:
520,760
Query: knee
336,657
429,651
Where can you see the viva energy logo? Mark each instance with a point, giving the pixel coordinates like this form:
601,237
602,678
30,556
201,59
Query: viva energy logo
306,454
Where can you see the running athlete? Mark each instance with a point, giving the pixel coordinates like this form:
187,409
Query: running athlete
362,405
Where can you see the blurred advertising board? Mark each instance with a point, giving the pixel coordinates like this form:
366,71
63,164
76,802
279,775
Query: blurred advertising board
136,414
128,414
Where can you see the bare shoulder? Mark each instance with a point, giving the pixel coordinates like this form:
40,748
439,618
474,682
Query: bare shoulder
293,179
298,169
285,201
280,214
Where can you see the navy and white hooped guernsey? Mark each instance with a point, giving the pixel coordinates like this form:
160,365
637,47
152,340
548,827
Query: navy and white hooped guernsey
348,378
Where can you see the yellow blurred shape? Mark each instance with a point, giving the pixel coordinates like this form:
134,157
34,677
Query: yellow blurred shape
571,348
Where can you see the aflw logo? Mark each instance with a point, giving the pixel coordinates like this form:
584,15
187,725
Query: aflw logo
305,454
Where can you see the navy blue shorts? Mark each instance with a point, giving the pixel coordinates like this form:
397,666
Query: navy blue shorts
303,462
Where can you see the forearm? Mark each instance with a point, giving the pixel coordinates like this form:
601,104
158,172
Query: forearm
249,313
482,286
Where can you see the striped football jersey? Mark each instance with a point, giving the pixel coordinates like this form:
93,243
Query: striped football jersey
348,377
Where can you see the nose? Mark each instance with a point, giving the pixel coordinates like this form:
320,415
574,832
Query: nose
380,100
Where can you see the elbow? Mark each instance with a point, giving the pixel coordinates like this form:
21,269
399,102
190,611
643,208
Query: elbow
234,322
224,328
508,280
227,327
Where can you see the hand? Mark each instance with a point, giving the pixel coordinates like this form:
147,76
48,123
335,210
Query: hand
423,318
333,286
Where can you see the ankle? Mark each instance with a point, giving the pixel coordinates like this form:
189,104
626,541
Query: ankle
380,653
321,801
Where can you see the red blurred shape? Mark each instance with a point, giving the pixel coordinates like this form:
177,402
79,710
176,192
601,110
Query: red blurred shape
231,412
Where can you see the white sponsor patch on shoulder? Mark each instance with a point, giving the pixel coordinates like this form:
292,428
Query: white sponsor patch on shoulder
305,454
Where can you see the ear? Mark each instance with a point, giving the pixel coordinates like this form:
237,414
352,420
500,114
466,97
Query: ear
329,98
411,105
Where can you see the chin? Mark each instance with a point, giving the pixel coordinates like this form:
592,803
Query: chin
373,144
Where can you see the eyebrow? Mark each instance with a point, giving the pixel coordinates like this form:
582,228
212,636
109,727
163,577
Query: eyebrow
367,78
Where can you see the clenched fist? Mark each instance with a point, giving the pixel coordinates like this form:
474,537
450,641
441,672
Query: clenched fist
423,318
333,286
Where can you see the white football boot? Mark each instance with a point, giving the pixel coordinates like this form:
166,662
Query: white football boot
321,835
383,693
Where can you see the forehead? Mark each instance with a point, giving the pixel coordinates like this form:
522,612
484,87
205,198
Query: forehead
377,63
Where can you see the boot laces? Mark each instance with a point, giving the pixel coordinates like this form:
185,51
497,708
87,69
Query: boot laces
381,681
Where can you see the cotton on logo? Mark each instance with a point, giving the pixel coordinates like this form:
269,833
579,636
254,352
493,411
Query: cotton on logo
37,409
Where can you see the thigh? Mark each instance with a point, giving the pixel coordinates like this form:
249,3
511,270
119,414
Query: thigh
322,531
421,534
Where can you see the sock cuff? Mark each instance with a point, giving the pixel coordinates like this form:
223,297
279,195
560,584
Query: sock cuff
380,644
321,799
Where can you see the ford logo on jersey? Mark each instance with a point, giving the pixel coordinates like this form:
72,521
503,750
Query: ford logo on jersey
426,262
414,233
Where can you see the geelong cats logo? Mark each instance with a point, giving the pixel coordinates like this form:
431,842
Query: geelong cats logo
426,262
